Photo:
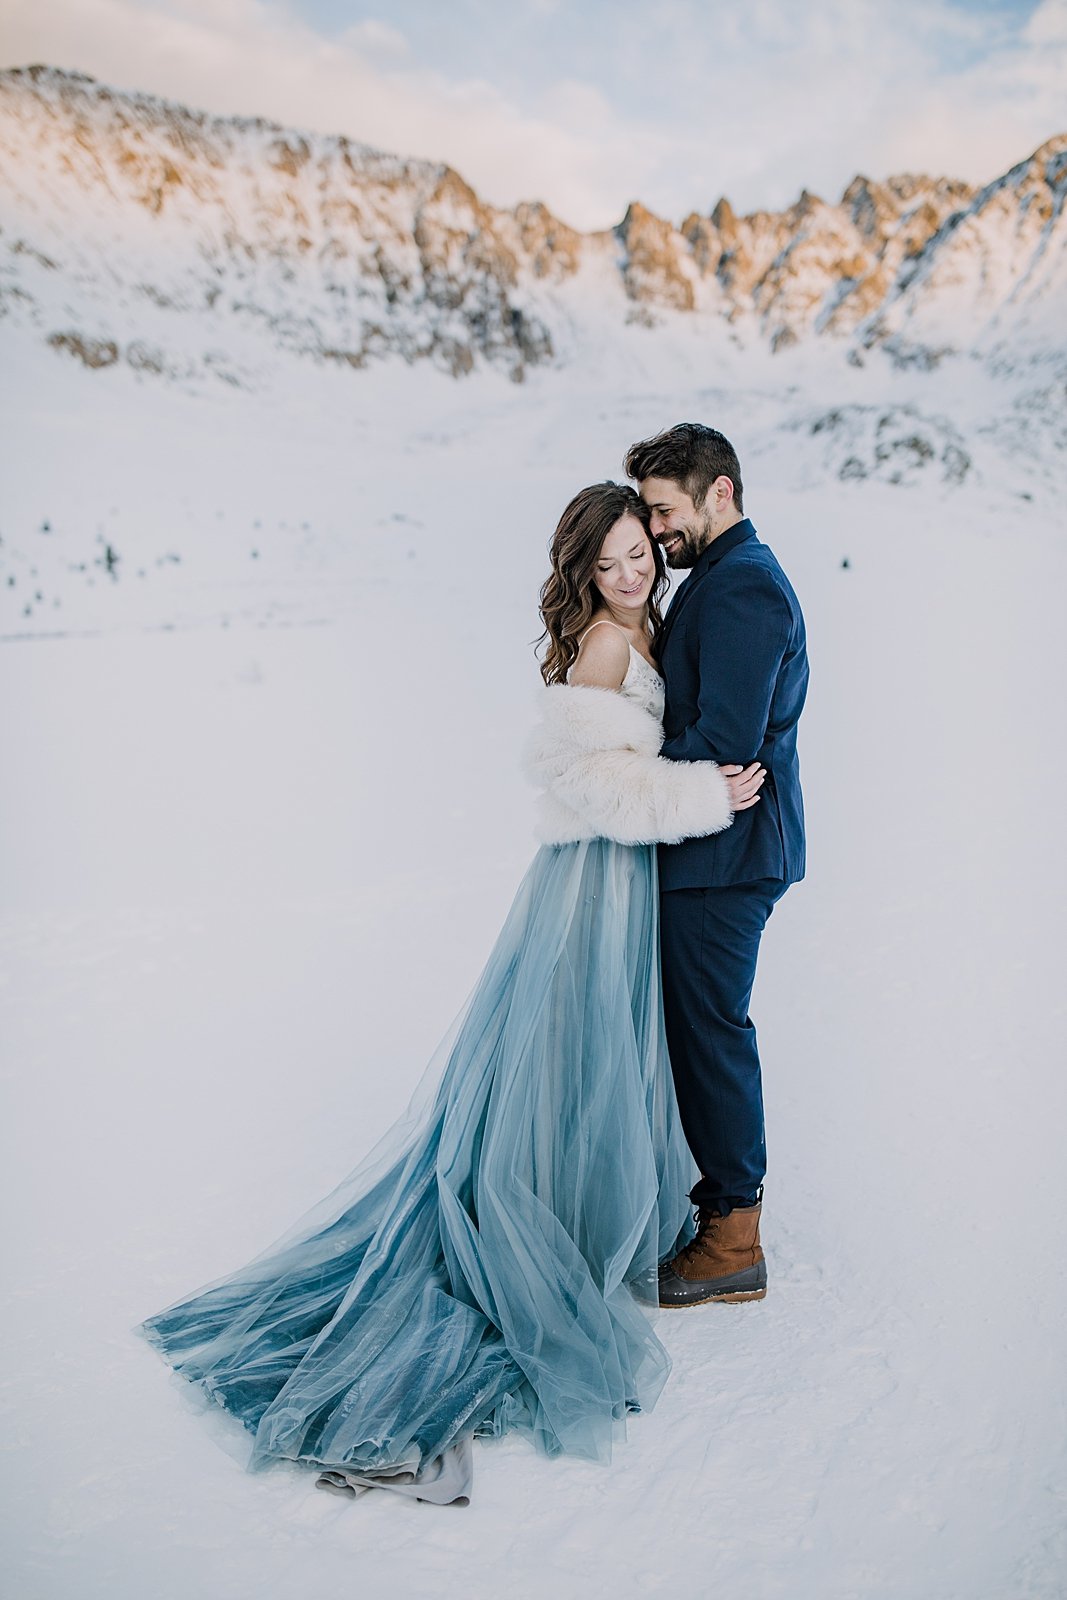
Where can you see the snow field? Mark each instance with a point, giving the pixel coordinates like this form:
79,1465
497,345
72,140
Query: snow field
264,819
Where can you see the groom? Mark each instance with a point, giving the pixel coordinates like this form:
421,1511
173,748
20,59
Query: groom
732,652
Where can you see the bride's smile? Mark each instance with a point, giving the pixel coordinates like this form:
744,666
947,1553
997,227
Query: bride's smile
626,569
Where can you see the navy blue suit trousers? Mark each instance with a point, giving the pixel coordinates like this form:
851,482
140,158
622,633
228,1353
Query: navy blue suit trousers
709,941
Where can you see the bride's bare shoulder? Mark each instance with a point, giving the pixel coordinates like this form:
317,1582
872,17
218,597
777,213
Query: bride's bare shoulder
603,657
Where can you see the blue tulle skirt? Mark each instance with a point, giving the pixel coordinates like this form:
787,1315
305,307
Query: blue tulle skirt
491,1264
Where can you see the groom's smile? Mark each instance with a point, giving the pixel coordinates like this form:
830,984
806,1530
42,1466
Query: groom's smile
678,527
681,529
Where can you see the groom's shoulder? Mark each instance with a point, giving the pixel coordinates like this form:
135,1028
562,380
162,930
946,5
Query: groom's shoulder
755,562
752,563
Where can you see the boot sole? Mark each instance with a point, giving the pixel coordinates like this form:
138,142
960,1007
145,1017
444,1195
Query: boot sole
714,1299
751,1284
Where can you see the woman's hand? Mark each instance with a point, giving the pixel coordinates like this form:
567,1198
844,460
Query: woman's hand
744,784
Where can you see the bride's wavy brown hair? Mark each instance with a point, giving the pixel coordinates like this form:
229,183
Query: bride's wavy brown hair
569,596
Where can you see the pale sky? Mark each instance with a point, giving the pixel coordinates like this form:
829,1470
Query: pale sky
589,105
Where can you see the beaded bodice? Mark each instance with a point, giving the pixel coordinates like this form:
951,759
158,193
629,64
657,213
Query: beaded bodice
644,685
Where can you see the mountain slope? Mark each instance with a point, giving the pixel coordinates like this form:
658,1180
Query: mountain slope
134,229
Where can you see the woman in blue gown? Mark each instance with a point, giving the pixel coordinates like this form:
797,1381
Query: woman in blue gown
484,1268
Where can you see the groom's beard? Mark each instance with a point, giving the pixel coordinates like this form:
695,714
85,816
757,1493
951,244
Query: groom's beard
694,541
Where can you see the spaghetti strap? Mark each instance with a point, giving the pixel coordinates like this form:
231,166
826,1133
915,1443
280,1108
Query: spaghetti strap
597,624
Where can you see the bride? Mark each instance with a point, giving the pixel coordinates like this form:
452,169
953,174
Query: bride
483,1269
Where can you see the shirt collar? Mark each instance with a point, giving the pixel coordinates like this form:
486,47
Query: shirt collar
723,544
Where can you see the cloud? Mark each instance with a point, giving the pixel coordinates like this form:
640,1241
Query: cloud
374,38
1048,24
589,107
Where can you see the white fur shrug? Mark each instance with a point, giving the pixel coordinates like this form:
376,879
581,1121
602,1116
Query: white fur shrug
595,755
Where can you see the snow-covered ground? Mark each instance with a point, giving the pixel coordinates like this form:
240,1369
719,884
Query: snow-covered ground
262,820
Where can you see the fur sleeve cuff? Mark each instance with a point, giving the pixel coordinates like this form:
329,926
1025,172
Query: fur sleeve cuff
638,799
594,755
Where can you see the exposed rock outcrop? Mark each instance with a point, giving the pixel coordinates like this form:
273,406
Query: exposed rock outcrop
122,212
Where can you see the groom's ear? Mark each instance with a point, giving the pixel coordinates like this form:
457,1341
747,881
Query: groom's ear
723,490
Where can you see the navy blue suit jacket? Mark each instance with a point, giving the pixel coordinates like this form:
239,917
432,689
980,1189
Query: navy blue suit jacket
734,658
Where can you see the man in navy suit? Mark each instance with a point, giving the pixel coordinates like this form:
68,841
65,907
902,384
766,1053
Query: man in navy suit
733,656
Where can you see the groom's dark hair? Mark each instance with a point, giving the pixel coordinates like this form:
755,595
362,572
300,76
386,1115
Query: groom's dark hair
690,455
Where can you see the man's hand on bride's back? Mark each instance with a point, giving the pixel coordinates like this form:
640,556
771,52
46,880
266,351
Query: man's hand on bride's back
744,784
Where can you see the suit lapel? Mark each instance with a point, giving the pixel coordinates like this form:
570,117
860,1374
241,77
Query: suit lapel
708,558
676,606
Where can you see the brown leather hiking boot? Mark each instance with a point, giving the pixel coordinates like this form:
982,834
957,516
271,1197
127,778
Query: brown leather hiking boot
724,1261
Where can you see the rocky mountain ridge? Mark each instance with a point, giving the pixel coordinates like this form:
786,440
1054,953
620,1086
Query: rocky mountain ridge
134,229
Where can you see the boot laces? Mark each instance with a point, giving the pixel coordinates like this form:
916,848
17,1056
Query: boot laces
707,1228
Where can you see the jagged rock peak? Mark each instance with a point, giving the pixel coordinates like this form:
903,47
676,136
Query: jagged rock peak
123,210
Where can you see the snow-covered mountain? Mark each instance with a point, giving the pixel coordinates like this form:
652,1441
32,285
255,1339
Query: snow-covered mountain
135,230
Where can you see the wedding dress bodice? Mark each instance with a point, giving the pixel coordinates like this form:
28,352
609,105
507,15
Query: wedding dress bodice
643,684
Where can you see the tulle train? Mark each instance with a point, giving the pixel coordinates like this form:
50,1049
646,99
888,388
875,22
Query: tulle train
483,1269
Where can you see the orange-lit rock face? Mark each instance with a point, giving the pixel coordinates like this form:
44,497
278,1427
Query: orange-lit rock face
656,265
117,205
